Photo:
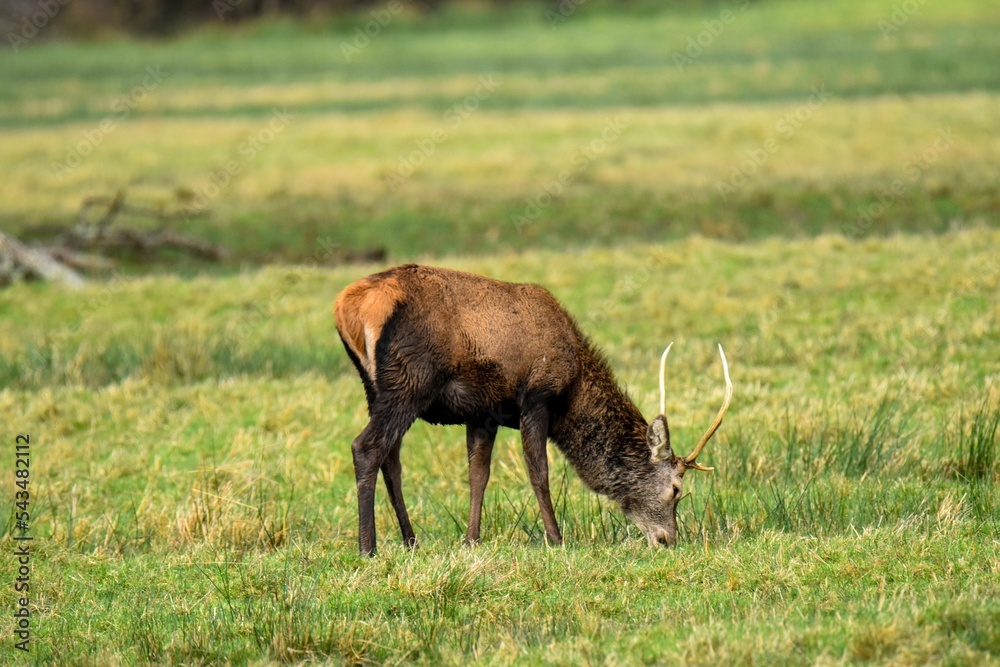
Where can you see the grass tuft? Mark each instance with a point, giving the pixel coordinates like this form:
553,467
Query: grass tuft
976,442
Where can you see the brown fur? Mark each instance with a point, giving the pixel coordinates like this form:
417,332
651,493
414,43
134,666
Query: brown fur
456,348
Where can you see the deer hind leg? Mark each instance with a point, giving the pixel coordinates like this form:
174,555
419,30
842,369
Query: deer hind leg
479,441
534,436
378,447
364,449
392,474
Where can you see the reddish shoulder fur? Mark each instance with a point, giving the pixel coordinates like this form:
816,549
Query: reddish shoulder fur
361,311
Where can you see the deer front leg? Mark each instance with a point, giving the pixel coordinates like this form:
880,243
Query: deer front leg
479,442
534,436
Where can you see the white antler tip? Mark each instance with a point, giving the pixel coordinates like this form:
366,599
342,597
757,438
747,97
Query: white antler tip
725,364
663,389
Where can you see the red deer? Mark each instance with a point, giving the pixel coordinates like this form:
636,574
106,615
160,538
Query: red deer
457,348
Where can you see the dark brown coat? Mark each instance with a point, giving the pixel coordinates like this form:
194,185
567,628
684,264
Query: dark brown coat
456,348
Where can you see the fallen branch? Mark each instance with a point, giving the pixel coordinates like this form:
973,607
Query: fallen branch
99,236
133,240
81,261
86,247
19,262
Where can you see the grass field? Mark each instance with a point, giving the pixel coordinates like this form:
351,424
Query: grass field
819,198
196,134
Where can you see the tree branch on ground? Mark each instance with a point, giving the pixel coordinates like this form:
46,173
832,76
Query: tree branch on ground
87,245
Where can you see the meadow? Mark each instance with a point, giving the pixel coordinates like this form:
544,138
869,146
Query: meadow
814,190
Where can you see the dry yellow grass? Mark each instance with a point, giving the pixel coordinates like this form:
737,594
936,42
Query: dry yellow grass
510,154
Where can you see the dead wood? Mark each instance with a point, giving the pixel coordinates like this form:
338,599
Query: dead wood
98,235
89,245
20,262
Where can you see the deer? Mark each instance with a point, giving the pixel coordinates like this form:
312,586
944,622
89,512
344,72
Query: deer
450,347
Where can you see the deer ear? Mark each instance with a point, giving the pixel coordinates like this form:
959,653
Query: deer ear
658,437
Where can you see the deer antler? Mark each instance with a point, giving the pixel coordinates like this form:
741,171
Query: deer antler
663,392
690,460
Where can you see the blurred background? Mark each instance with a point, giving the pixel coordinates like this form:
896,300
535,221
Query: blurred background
310,131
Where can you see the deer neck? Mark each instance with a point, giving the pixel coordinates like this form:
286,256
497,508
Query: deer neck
603,434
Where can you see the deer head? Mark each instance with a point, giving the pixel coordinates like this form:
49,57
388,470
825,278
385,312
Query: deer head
657,515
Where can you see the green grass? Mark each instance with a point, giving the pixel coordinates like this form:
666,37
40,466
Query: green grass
597,58
203,507
687,129
193,491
